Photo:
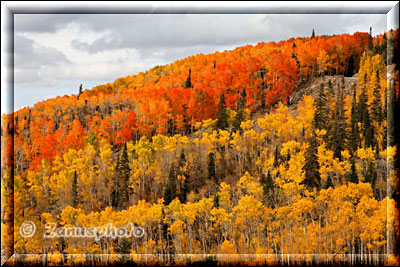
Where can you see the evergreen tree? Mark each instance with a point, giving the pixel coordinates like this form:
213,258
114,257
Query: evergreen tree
362,106
390,115
115,193
188,83
377,47
216,200
183,186
352,176
370,43
75,192
354,135
121,189
321,110
123,246
311,167
170,188
312,34
211,167
80,91
337,133
267,183
222,117
240,111
376,105
371,174
268,189
167,236
294,56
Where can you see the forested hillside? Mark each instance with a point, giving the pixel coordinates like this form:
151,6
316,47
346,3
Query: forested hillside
275,149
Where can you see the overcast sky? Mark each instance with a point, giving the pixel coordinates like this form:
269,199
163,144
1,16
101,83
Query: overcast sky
55,53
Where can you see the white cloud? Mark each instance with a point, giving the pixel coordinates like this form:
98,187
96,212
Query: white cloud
30,58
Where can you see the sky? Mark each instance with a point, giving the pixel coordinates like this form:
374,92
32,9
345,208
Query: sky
55,53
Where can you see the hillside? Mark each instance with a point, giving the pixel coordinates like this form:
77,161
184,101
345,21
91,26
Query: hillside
275,149
182,94
311,86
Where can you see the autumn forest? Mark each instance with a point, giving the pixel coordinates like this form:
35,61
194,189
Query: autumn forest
266,151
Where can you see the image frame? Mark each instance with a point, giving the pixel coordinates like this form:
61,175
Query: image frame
9,9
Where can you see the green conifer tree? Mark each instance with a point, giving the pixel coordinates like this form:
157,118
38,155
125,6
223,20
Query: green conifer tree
268,188
376,105
371,174
211,167
370,43
321,110
337,132
390,114
311,167
354,135
188,83
183,186
352,175
267,183
362,106
75,191
170,188
222,117
216,200
121,185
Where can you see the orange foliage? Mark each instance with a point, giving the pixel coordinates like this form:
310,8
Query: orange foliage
160,101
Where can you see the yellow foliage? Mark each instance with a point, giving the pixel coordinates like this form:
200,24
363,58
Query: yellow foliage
227,248
250,185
